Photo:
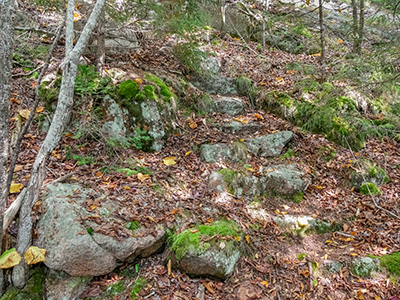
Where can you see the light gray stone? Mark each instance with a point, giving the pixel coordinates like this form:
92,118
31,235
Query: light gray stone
213,262
286,180
216,152
61,286
270,145
151,116
228,105
238,127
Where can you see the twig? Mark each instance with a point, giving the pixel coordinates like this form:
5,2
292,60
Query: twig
29,73
310,270
369,191
35,105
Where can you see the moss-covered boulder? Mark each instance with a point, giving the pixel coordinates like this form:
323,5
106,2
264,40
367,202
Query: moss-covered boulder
207,250
367,173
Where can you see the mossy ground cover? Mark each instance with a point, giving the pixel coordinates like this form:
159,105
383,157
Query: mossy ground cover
391,262
191,239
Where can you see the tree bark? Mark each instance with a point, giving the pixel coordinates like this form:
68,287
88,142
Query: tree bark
60,120
6,49
355,26
322,36
361,26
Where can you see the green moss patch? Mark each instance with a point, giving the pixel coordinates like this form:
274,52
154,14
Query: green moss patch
128,89
391,262
368,187
192,239
228,174
164,89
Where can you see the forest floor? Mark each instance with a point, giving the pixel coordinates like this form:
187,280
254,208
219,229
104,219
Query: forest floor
270,268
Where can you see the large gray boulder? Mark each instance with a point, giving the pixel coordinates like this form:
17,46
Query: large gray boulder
269,145
63,231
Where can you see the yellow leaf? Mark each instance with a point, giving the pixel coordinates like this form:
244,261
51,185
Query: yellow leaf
18,168
55,154
15,188
258,116
93,207
238,238
316,54
353,254
143,177
9,259
339,41
264,283
39,109
247,239
151,218
169,161
328,241
77,16
302,221
127,187
308,2
188,153
138,81
35,255
377,298
25,113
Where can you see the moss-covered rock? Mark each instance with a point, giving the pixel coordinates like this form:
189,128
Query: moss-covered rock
164,89
369,188
207,250
367,172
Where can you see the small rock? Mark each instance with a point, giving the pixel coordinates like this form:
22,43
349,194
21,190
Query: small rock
270,145
238,127
216,182
216,152
248,291
61,286
229,105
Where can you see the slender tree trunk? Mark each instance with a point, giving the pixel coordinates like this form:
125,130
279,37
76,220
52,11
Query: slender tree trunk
361,26
355,26
100,51
60,120
6,49
322,36
223,17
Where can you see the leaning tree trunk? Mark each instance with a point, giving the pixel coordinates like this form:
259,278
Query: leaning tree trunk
60,120
6,49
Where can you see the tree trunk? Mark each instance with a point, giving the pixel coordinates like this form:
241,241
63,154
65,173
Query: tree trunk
100,51
322,36
355,26
60,120
6,49
361,27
